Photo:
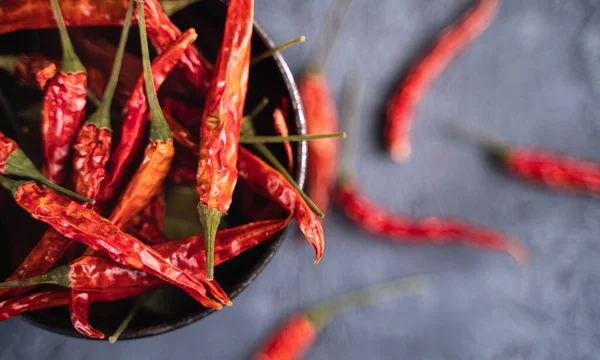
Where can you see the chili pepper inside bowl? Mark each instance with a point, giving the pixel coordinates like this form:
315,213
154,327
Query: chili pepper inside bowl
168,308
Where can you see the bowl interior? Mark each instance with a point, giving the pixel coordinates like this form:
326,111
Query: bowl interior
170,308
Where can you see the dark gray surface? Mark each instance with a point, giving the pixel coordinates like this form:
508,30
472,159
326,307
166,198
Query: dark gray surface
533,78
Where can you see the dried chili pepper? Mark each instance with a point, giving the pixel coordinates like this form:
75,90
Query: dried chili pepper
187,114
97,273
135,122
273,185
184,168
84,225
29,70
182,135
282,130
221,123
540,166
64,105
297,335
401,107
374,219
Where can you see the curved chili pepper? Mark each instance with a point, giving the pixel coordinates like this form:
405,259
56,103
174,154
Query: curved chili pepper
84,225
282,130
221,123
401,107
29,70
135,122
297,335
64,105
270,183
321,117
79,309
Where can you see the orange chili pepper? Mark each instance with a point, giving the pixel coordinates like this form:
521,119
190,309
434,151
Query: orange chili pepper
221,123
282,130
29,70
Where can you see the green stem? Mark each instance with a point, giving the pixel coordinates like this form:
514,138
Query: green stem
353,92
270,52
159,129
324,312
292,138
70,61
12,185
137,306
9,62
18,164
101,117
494,147
170,7
91,97
209,221
61,276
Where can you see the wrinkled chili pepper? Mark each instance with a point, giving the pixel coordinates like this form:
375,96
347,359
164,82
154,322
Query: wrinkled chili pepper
402,105
297,335
282,130
221,123
64,105
540,166
29,70
186,252
375,219
136,121
271,184
84,225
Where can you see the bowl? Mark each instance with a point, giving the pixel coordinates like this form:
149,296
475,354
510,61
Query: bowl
271,78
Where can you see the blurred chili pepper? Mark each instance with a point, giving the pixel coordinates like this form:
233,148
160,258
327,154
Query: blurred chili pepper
135,122
64,105
270,183
221,122
84,225
282,130
374,219
297,335
401,107
187,253
539,166
182,135
29,70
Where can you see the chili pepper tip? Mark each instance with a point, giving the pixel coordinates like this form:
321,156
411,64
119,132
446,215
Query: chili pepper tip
400,151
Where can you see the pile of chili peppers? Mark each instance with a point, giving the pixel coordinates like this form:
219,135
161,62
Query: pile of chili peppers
109,196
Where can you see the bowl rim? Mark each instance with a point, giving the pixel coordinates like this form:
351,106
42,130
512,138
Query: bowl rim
275,241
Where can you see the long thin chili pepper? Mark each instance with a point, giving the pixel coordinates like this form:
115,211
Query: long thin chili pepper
374,219
221,123
136,121
540,166
84,225
273,185
97,273
297,335
402,105
64,105
29,70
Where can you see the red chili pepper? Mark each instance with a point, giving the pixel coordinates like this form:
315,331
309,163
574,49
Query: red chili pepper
221,123
189,115
401,107
64,105
146,229
83,225
270,183
182,135
135,122
187,253
297,335
541,166
29,70
184,168
374,219
282,130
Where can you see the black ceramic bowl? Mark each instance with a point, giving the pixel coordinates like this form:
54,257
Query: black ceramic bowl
270,78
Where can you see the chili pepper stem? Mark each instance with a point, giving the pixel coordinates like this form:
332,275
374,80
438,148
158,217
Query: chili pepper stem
59,276
97,103
280,139
170,7
20,165
9,62
209,221
324,312
137,306
70,61
279,48
493,146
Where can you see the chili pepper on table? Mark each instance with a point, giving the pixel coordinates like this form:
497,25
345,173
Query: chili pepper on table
29,70
540,166
186,253
297,335
402,105
221,123
136,121
84,225
376,220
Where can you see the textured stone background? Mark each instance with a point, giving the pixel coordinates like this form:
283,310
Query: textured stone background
533,78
